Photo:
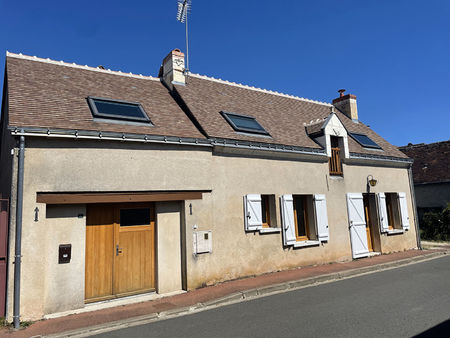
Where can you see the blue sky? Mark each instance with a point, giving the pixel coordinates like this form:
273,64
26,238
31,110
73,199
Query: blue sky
394,55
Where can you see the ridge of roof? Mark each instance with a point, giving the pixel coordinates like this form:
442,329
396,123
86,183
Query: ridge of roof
85,67
316,121
240,85
420,145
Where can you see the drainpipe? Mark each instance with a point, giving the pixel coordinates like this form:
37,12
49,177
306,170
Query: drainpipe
413,198
18,244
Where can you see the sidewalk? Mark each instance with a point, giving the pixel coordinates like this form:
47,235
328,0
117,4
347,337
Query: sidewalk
221,294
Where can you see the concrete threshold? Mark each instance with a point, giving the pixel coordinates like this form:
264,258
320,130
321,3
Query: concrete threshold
247,295
139,298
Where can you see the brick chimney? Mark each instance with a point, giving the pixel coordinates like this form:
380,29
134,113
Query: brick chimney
172,69
347,105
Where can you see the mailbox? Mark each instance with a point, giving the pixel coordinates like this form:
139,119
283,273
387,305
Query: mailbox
65,253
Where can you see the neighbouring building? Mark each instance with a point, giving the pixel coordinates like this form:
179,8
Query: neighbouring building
123,184
431,175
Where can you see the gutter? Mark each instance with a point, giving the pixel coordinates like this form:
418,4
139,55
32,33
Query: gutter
191,141
413,199
357,156
18,243
109,136
125,137
229,143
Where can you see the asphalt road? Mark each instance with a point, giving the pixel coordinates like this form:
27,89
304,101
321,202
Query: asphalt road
403,302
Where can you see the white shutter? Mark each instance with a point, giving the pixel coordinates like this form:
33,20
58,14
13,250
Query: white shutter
287,213
403,210
382,212
320,204
253,213
357,220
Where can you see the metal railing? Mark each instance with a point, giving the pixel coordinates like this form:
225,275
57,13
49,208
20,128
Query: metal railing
335,162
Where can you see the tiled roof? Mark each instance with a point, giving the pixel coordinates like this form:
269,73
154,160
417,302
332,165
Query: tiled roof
283,116
431,161
51,94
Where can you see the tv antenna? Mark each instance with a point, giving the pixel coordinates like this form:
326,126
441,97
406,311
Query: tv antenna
184,7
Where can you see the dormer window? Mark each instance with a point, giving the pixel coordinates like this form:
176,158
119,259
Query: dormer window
243,123
117,110
335,161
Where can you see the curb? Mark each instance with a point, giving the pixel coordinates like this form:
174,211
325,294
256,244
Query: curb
246,295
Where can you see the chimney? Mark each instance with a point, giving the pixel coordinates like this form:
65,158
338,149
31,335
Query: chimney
172,69
347,105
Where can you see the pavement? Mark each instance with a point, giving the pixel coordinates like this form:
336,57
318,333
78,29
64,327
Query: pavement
89,323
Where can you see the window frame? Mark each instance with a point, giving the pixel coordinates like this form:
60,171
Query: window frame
305,215
227,115
393,211
95,113
377,146
134,205
265,211
335,161
253,204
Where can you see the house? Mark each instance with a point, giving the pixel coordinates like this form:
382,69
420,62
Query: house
431,175
123,184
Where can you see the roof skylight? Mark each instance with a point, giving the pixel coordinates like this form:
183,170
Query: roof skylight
365,140
244,123
115,109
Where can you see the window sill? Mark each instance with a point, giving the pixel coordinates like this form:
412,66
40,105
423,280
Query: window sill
336,177
306,243
269,230
395,231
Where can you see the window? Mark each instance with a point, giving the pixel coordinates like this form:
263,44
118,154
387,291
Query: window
260,213
301,218
244,123
304,220
118,110
335,162
132,217
364,140
393,212
265,210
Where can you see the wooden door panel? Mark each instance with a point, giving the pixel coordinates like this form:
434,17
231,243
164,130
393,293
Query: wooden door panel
133,270
99,252
368,223
134,266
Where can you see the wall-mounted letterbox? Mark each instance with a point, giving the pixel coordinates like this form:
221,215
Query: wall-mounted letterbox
65,253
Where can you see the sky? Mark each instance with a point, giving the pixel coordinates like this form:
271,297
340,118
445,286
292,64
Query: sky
394,55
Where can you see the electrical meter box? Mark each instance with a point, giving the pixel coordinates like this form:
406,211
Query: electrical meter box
202,242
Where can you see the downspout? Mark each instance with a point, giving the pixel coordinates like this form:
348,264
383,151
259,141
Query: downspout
413,198
18,244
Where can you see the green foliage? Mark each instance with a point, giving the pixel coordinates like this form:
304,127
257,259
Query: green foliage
436,225
3,322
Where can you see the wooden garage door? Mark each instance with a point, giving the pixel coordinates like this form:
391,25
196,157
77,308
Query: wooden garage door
120,250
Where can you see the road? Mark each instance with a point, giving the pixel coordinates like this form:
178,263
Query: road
401,302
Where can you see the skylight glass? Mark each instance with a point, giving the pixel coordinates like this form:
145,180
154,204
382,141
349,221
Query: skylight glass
365,141
244,123
114,109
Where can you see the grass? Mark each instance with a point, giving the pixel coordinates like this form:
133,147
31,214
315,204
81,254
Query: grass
5,324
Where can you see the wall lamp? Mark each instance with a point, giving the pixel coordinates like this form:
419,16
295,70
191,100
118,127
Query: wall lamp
371,181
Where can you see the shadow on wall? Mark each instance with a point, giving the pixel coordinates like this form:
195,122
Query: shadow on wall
63,211
440,330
